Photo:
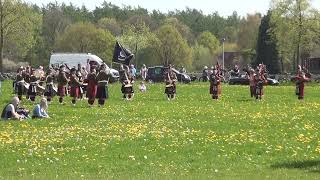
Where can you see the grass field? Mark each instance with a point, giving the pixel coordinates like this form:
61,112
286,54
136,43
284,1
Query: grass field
193,137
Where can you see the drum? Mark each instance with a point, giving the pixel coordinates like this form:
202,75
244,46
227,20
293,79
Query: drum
170,89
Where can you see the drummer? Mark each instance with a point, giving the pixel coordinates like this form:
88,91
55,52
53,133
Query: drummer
127,81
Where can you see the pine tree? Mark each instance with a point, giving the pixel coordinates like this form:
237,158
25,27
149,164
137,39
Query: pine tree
267,52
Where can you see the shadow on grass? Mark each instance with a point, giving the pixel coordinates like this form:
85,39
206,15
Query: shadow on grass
308,165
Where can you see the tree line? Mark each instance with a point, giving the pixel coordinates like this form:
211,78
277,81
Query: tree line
283,38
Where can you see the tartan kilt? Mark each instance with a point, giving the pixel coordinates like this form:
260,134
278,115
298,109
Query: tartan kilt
214,89
62,90
50,92
91,91
102,92
300,90
19,89
259,89
32,91
170,90
74,92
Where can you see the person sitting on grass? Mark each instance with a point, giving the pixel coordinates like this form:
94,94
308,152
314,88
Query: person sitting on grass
39,110
142,87
11,111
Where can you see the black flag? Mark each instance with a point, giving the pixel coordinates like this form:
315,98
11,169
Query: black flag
122,55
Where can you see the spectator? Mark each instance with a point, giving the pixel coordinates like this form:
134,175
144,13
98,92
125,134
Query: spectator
205,75
133,71
142,87
143,72
183,70
39,110
10,111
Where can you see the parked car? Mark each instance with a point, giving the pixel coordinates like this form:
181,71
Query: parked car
157,74
245,81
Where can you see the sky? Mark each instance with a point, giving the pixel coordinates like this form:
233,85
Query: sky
224,7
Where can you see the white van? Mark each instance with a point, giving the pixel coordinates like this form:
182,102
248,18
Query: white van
73,59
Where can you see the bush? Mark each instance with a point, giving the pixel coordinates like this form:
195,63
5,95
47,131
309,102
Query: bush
11,66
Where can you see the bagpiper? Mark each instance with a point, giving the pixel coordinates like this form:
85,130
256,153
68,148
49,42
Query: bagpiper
92,85
300,80
215,82
75,85
19,84
32,91
50,90
62,83
251,76
170,80
260,80
102,89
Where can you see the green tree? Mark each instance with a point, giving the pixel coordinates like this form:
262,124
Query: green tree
267,52
295,25
172,48
183,29
201,57
208,40
84,37
111,25
137,37
17,27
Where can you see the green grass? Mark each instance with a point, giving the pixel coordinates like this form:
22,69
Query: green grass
193,137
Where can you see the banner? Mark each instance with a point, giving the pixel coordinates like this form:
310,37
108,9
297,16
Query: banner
122,55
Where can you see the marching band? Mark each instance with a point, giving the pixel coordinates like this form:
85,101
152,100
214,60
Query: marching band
75,82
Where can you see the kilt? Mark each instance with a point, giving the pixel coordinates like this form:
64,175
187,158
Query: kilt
102,92
91,91
170,90
219,89
300,89
214,89
32,91
62,90
50,92
74,91
252,91
19,89
259,89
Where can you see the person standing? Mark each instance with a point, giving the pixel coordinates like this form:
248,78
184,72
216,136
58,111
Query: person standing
19,84
62,83
260,80
205,74
143,72
300,83
103,78
75,85
32,91
92,86
133,71
170,80
215,82
50,90
252,83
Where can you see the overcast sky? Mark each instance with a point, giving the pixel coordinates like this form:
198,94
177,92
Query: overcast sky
224,7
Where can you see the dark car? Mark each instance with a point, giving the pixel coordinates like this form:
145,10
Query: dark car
245,81
157,74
